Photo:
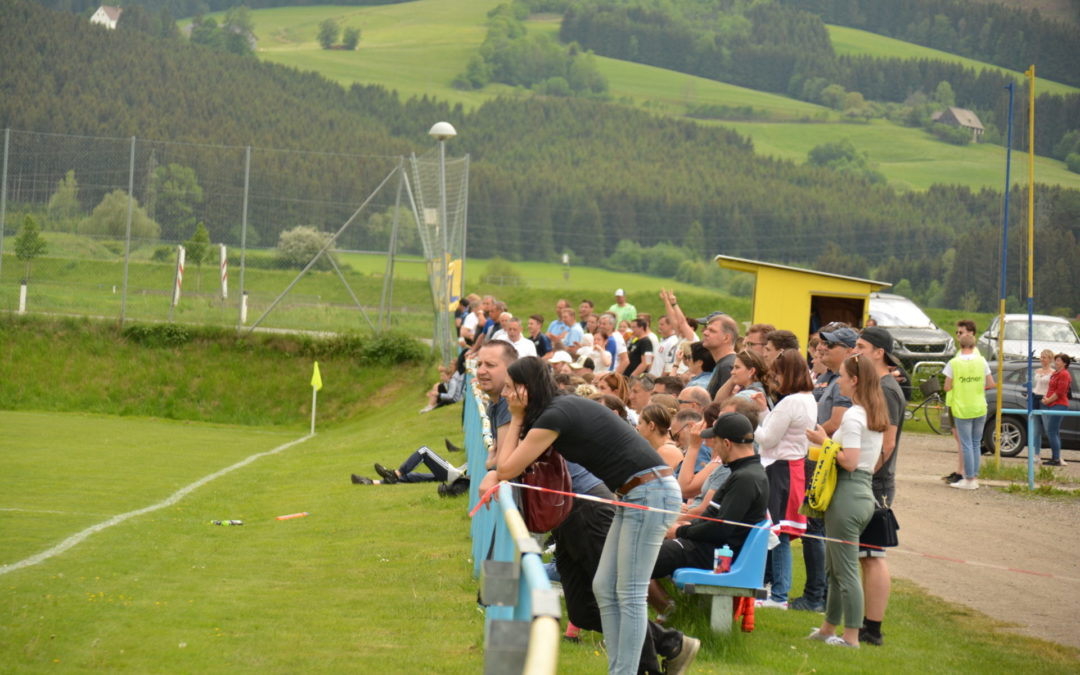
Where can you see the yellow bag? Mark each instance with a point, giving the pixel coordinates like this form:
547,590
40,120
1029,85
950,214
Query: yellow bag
822,483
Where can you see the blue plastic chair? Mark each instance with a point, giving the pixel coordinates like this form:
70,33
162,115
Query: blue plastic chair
746,577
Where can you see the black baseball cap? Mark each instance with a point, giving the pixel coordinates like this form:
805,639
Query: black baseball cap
732,426
880,339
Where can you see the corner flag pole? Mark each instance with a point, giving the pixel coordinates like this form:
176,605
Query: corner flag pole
316,385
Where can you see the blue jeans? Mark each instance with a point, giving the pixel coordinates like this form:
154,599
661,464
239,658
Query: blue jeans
626,565
970,433
1052,424
781,569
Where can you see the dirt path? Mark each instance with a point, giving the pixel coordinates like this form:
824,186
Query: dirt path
988,526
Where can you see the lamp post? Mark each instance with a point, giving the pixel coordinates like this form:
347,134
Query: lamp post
441,131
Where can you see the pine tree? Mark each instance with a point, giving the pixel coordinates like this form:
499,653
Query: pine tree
29,244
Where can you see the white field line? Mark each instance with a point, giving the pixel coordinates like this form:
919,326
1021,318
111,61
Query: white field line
77,538
62,513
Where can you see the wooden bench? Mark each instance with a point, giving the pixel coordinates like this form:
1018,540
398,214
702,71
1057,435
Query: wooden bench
745,579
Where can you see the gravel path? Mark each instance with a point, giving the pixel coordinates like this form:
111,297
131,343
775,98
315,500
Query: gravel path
992,527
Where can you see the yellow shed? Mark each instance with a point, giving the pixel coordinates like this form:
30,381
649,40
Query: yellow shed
802,300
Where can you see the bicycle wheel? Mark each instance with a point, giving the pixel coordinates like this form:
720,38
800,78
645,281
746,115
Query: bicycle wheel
933,409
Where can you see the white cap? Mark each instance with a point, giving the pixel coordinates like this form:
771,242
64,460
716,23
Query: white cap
619,291
562,357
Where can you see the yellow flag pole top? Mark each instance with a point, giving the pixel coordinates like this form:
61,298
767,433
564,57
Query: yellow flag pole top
316,378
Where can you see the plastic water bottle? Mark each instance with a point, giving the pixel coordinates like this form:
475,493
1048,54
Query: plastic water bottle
723,560
227,522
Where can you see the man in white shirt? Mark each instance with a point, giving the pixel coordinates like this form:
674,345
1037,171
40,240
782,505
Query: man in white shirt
664,360
607,326
522,344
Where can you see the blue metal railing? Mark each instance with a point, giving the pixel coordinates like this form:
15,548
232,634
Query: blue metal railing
1031,433
499,534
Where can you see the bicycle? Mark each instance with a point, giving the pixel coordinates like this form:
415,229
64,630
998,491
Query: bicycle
932,408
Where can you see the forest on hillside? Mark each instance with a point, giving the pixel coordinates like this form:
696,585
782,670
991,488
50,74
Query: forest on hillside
782,48
548,175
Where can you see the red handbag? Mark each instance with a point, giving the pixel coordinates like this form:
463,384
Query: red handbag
544,511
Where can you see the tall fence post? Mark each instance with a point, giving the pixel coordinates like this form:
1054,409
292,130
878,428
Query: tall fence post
243,236
387,302
3,195
127,234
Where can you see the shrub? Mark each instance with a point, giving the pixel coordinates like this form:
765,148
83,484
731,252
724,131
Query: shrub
157,334
499,272
1072,162
296,247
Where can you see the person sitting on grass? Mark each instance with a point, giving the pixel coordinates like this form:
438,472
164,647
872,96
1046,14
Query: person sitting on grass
441,470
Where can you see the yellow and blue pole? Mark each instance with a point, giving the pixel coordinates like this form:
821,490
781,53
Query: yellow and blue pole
1032,452
1004,267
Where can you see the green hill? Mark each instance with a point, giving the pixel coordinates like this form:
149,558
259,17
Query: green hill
417,48
859,42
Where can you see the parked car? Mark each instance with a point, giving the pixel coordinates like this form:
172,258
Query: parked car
915,337
1014,395
1049,332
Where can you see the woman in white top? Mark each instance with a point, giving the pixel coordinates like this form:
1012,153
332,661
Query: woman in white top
781,439
1041,378
852,505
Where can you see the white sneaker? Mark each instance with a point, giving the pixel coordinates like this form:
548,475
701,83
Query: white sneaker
965,484
816,634
771,604
837,641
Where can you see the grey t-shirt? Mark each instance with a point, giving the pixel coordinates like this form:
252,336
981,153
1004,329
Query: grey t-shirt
884,482
830,399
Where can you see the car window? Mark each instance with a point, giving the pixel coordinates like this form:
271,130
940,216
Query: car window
898,312
1045,331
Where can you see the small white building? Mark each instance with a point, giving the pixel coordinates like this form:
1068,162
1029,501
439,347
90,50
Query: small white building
960,117
107,16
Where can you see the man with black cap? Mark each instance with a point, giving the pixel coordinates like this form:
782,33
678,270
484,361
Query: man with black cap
876,344
743,498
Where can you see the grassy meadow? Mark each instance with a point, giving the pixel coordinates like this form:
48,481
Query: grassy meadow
909,158
859,42
417,48
375,579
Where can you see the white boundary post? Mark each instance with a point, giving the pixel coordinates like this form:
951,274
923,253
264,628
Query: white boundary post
224,274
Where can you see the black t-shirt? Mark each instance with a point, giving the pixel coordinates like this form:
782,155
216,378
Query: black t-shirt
636,352
720,374
598,440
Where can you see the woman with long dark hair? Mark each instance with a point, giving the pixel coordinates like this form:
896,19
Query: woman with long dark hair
585,432
781,439
860,437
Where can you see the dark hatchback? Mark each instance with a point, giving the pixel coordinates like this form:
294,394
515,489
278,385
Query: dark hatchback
1014,427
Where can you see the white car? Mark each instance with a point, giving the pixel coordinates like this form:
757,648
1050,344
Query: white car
1049,332
915,337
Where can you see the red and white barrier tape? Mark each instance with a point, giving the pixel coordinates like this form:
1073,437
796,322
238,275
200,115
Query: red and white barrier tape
486,497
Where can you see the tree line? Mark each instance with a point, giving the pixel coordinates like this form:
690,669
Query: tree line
548,175
782,48
1009,37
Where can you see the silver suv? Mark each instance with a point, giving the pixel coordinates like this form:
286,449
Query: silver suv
915,337
1050,332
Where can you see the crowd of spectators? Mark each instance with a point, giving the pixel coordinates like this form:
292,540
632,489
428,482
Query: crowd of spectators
732,416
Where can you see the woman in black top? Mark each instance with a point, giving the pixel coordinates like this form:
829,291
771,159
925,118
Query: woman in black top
585,432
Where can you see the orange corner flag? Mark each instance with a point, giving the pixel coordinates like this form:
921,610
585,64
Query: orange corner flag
316,378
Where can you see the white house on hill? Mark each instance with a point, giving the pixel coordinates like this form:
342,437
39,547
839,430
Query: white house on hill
960,117
107,16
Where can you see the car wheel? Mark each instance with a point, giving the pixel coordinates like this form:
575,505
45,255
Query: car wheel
1013,436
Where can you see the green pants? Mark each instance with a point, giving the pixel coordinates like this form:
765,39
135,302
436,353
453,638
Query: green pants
849,511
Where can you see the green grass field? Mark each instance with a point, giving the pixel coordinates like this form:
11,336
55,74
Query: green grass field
909,158
859,42
375,579
417,48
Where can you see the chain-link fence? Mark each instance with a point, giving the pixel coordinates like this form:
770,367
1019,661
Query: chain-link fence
113,214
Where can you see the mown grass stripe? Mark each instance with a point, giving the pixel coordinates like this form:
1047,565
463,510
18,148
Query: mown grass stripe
79,537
